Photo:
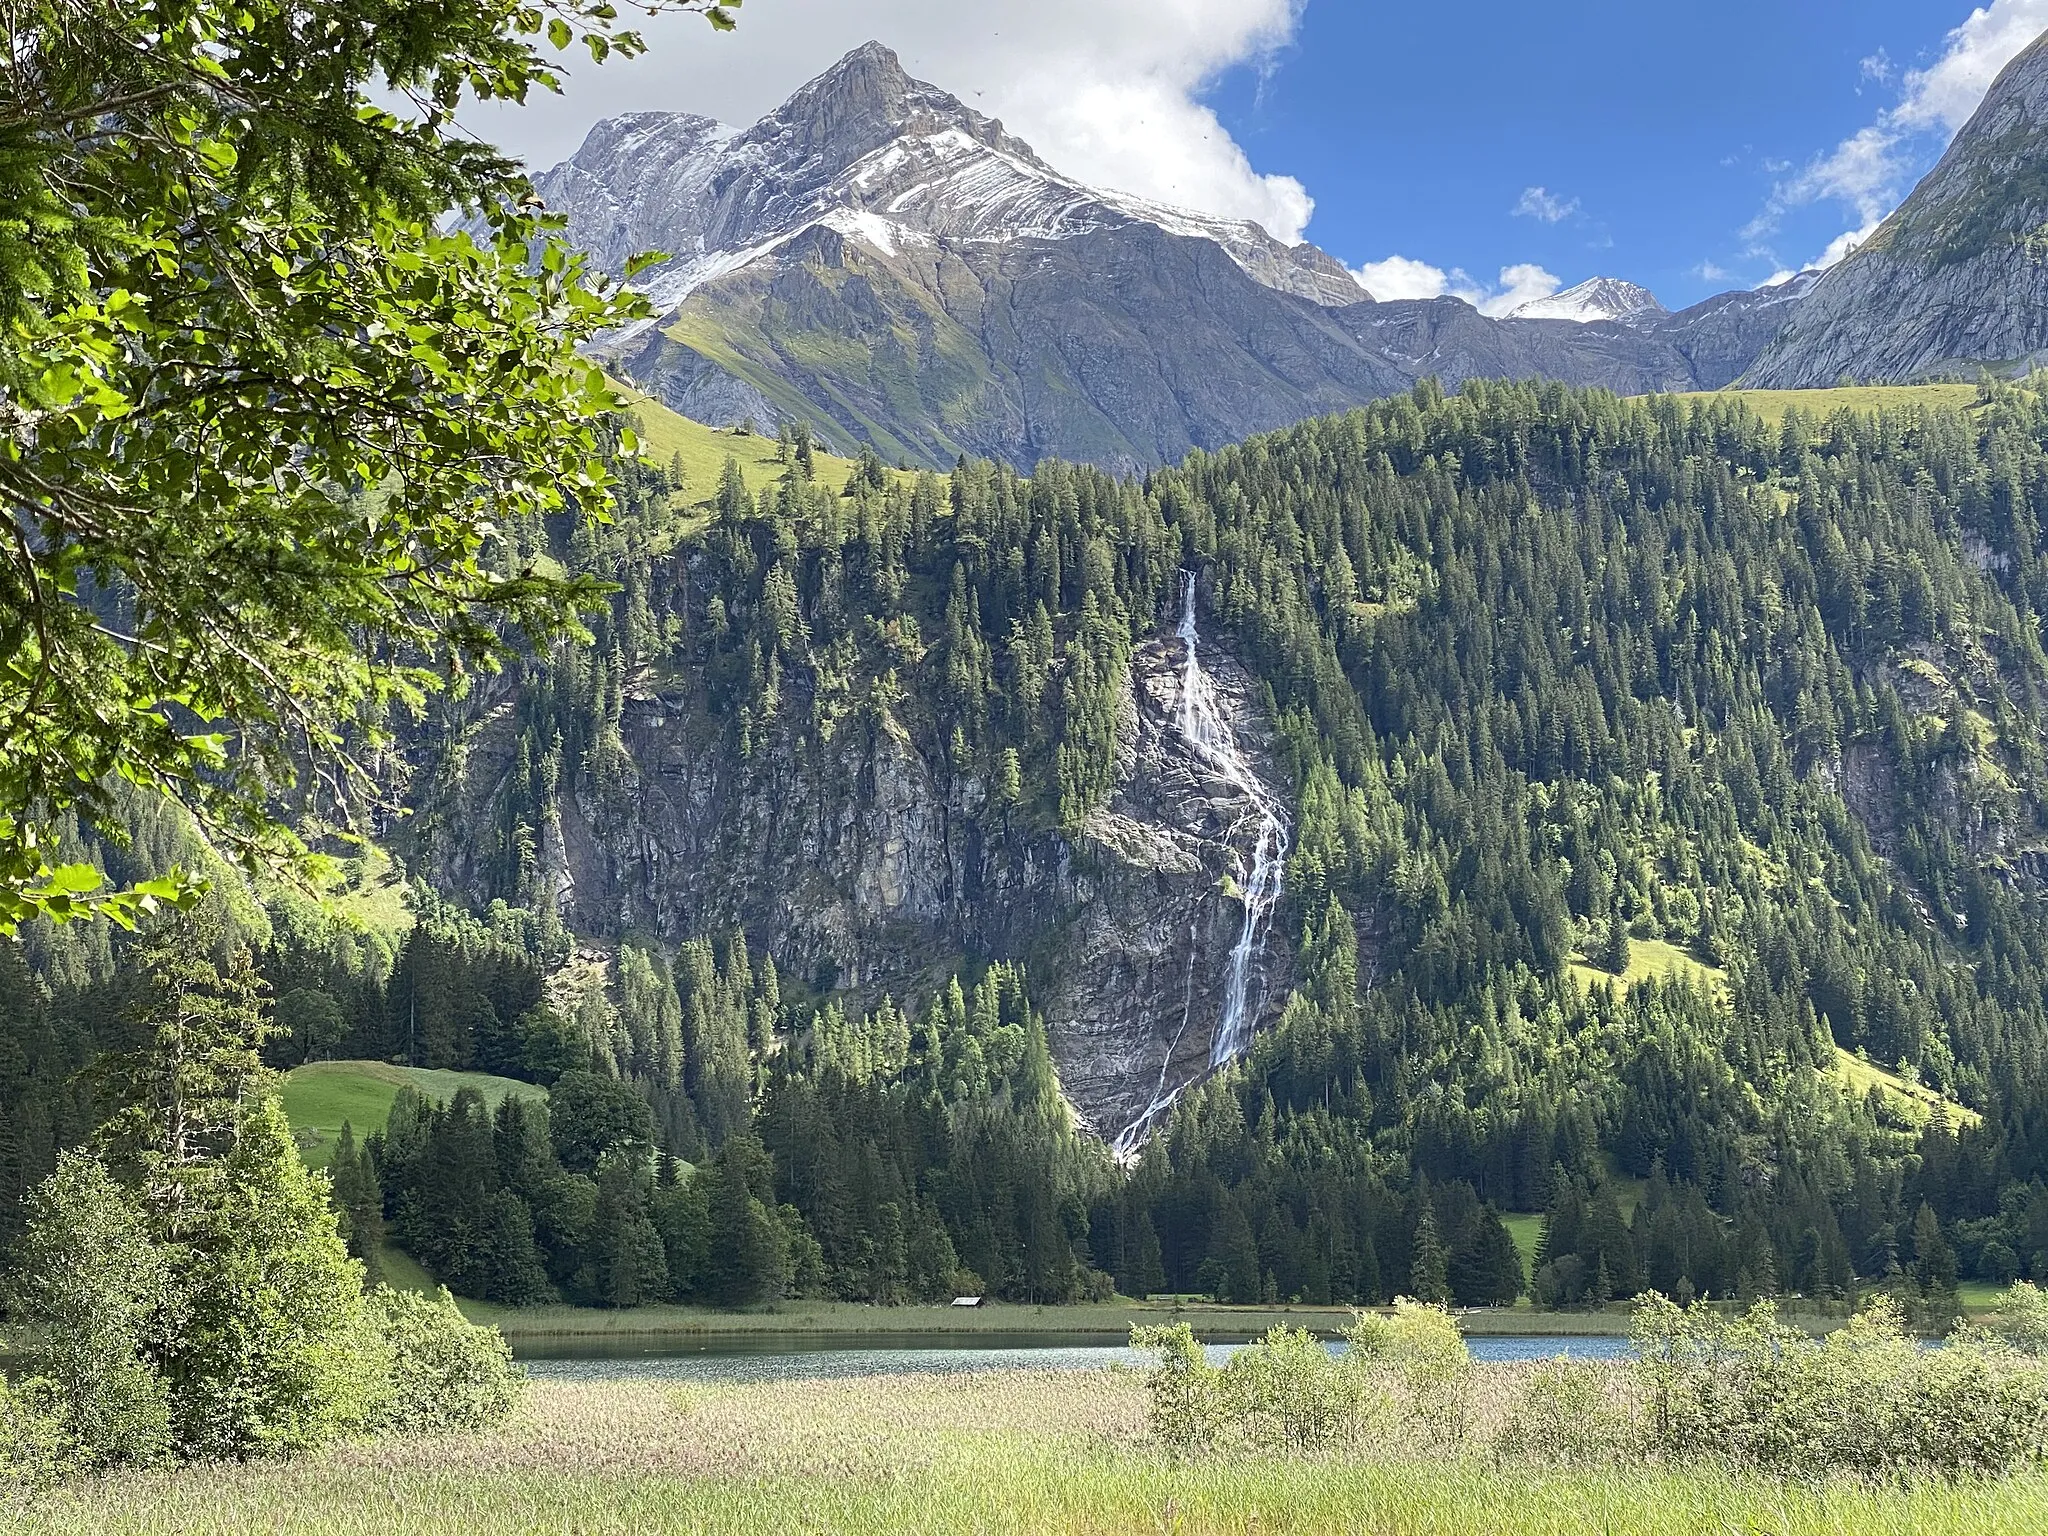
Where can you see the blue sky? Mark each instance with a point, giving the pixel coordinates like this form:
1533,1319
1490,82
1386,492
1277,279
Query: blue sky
1490,148
1658,133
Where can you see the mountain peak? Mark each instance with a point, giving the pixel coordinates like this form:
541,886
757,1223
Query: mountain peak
1598,298
858,104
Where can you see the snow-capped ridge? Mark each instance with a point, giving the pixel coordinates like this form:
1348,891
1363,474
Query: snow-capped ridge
1596,299
881,158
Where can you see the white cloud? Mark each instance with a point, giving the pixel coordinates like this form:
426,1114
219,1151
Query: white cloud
1710,271
1870,170
1943,95
1878,68
1401,277
1843,244
1541,203
1110,95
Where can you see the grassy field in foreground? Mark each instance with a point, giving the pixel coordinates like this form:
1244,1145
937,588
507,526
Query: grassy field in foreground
1008,1452
318,1097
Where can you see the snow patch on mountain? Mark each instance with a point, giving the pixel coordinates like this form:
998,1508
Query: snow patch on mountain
877,156
1598,298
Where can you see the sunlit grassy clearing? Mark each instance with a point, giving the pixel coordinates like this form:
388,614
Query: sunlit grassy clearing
377,899
703,450
318,1097
1010,1452
1652,957
1527,1231
1915,1100
1773,404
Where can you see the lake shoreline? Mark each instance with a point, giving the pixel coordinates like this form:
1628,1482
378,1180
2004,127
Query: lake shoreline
856,1321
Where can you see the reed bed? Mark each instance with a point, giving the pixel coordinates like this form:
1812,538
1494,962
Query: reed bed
1004,1452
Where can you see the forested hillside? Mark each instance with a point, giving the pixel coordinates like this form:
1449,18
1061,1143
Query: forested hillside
1550,681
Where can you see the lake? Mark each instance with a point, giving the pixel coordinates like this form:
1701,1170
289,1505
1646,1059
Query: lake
815,1357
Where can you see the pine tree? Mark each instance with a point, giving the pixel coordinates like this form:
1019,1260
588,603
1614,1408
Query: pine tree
358,1204
1427,1279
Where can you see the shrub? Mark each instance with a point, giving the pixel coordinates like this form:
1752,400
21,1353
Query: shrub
1187,1403
1753,1392
2022,1319
34,1448
94,1289
1420,1348
1287,1392
446,1373
1566,1413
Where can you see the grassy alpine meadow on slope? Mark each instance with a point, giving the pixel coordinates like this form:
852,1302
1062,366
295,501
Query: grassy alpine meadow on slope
669,439
1773,404
321,1095
1006,1451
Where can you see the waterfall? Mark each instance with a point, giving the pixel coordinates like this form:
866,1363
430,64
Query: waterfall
1206,730
1203,726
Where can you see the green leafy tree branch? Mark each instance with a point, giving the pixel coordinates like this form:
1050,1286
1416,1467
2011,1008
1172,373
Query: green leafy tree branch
269,419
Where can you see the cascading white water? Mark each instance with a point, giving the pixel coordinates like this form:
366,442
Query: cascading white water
1203,726
1207,731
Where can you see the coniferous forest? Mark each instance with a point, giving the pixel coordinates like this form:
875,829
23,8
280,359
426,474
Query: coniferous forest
1558,681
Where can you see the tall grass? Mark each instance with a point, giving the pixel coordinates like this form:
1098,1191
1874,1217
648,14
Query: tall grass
1002,1452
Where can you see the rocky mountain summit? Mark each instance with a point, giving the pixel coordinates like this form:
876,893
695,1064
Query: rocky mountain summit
1597,298
883,262
1957,278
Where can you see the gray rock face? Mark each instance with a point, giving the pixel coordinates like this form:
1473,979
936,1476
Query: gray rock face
1957,278
864,865
883,262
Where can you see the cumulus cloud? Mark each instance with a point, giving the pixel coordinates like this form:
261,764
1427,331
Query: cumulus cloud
1871,171
1401,277
1541,203
1110,95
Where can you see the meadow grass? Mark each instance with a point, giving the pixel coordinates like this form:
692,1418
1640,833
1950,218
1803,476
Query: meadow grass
1527,1231
1009,1452
1773,404
1915,1100
319,1096
378,897
702,451
1653,957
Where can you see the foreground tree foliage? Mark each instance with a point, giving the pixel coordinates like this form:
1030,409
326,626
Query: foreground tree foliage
263,417
184,1286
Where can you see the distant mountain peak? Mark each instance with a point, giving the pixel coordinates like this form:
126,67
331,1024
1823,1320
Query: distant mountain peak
878,157
1598,298
877,258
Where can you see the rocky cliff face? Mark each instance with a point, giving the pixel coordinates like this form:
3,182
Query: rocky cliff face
883,262
863,865
1957,278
